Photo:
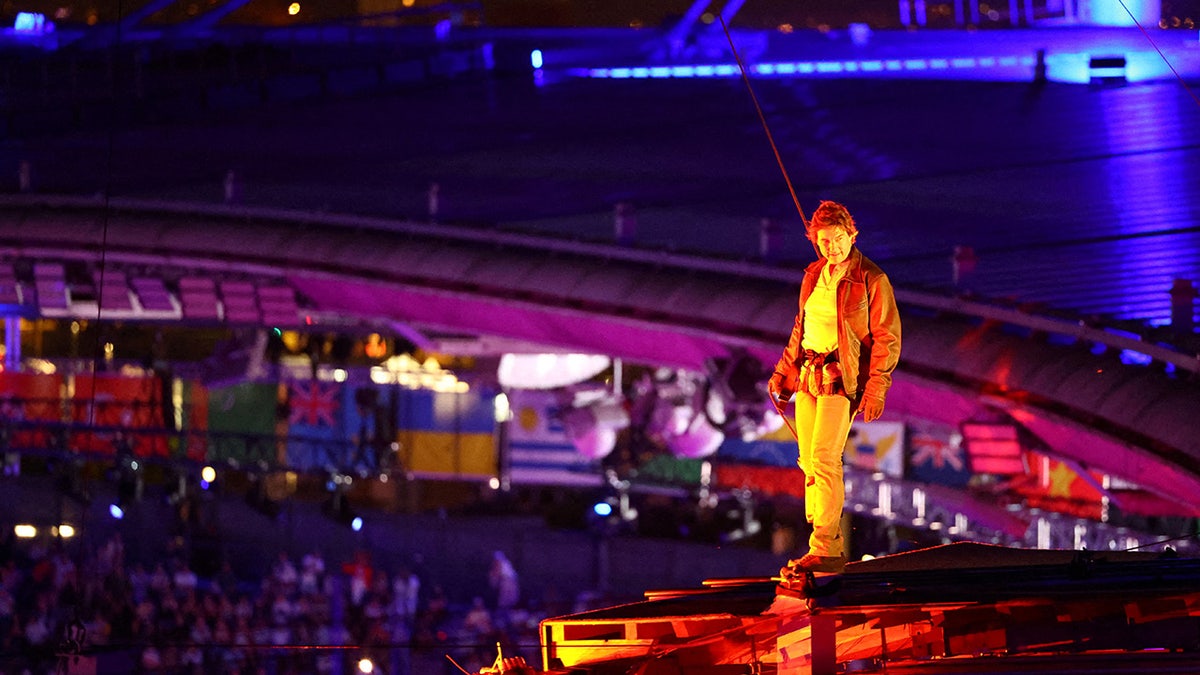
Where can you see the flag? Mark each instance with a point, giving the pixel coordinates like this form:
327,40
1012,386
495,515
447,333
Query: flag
936,455
447,433
315,435
241,422
125,413
540,451
765,451
1057,486
27,399
773,481
194,420
877,446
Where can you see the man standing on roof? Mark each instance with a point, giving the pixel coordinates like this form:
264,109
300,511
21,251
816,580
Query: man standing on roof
845,343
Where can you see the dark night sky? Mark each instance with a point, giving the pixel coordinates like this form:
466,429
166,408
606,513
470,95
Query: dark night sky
556,13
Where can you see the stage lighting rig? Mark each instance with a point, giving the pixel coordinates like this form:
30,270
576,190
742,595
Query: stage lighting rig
592,419
614,512
736,400
675,418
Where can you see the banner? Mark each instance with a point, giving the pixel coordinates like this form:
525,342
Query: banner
314,435
777,448
128,412
25,400
873,446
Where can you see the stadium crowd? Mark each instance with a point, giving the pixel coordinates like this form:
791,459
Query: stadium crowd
307,615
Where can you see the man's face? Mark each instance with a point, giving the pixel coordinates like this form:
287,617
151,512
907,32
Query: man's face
834,244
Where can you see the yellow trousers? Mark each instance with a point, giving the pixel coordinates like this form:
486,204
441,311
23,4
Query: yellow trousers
822,425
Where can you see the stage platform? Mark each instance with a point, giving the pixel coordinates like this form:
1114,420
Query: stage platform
958,608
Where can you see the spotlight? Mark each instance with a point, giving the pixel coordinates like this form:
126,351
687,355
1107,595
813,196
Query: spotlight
366,665
208,474
356,523
65,531
602,509
116,511
25,531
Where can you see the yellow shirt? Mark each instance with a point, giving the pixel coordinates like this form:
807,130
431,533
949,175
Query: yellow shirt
820,312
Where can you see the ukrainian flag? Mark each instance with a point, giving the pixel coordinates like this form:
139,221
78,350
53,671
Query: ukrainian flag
447,434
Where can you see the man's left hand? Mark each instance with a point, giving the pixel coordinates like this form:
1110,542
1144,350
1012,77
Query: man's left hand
871,409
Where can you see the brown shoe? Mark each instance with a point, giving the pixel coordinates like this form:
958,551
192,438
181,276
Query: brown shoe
819,563
791,569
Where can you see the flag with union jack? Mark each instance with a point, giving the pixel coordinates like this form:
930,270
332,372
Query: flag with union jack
314,429
339,425
936,455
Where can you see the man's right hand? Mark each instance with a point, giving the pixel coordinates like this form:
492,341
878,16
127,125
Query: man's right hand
776,389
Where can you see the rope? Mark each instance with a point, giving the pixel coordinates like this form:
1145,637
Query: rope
762,118
1178,77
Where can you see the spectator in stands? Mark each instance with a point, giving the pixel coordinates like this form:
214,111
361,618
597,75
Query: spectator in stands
183,579
226,581
478,622
181,624
360,572
8,608
284,572
111,556
406,589
502,577
312,572
844,345
160,581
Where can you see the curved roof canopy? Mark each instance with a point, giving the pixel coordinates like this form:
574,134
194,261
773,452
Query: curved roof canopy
650,306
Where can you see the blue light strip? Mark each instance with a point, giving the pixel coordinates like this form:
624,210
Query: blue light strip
802,68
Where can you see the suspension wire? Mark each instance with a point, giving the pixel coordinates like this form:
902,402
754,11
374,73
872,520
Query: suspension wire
1165,541
109,162
782,168
451,659
779,409
795,200
762,118
1163,56
110,152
